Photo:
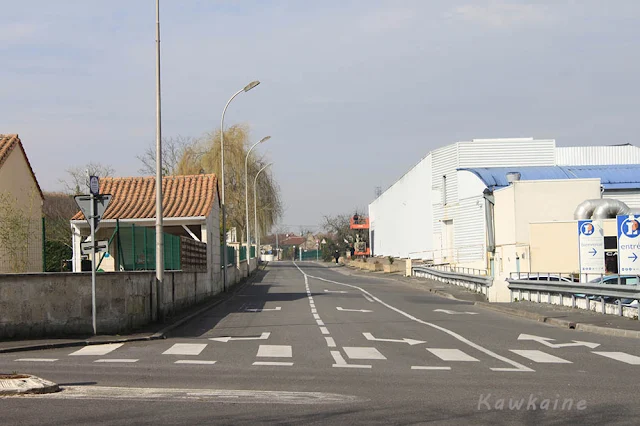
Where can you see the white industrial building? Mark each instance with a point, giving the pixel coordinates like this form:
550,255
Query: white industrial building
441,209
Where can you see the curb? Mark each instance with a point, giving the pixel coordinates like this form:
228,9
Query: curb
26,384
155,336
608,331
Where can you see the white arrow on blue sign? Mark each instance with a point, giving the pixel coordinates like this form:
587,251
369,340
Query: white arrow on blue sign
591,245
628,244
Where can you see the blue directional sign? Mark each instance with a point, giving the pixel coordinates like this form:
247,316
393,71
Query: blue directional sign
591,245
628,244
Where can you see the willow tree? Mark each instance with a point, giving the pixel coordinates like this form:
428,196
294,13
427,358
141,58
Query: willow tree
204,157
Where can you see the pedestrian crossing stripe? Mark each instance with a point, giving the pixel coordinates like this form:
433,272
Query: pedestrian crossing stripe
540,357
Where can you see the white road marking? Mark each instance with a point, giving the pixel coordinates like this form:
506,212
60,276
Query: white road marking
411,342
274,363
447,311
263,336
319,322
368,298
324,330
194,361
363,353
37,359
277,308
341,363
314,311
335,291
428,367
451,354
540,357
275,351
330,342
198,395
185,349
97,349
621,356
316,316
311,299
117,360
352,310
516,366
547,342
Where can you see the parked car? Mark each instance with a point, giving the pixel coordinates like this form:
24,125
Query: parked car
623,280
545,277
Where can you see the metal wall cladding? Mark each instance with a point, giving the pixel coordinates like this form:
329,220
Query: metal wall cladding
507,153
597,155
630,198
401,217
470,230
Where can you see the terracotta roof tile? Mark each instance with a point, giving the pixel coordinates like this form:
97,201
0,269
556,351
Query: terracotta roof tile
135,197
7,145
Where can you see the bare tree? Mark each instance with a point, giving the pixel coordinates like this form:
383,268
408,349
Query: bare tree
78,181
173,150
58,209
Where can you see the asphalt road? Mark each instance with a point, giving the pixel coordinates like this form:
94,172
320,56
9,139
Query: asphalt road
310,345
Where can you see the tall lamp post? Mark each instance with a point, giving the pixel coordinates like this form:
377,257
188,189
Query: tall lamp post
246,195
159,235
255,207
224,211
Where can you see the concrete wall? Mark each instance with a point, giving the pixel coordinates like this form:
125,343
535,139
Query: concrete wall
59,304
18,184
554,245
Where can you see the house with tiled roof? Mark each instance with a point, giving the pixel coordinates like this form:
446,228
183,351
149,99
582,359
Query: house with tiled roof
191,208
22,200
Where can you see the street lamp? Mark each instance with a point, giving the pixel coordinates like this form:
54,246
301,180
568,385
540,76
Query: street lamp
224,211
246,195
255,207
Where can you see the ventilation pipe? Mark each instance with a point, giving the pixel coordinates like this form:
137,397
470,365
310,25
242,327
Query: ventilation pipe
600,209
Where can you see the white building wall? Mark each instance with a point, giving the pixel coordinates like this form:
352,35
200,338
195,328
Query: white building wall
507,152
597,155
401,218
629,197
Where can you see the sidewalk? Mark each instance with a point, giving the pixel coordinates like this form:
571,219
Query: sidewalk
561,316
152,331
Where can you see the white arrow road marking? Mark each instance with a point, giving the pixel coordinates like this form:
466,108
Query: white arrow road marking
263,336
447,311
412,342
335,291
547,342
263,309
515,366
352,310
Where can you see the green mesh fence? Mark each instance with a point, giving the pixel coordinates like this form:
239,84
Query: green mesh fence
138,249
243,253
310,255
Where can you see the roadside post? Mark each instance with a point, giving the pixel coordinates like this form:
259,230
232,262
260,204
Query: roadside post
591,248
93,207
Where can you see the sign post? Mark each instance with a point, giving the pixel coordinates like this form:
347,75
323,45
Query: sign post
93,207
628,245
94,190
591,245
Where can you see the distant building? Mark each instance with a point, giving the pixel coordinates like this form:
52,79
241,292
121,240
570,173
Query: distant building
21,193
441,209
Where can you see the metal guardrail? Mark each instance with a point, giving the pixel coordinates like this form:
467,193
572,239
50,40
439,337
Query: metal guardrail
575,290
478,283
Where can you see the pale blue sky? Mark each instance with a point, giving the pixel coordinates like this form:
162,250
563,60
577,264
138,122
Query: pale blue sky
353,93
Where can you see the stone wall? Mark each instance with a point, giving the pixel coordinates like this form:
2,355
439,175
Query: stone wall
59,304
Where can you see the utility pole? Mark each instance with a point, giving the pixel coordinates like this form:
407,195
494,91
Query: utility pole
159,230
